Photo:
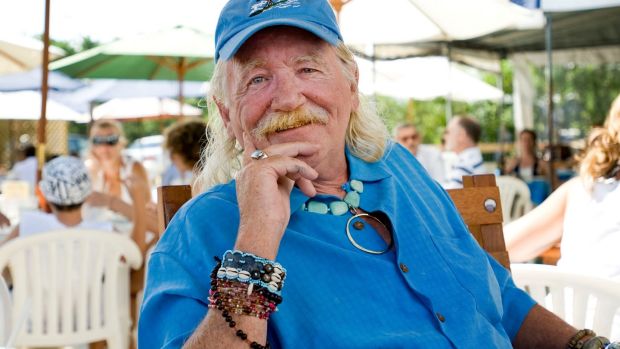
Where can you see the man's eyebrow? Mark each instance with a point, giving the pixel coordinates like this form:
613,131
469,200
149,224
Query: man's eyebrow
309,59
246,67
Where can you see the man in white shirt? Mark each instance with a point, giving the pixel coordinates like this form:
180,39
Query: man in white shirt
429,157
462,136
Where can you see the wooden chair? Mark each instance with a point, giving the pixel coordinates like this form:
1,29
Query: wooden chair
478,202
169,199
480,206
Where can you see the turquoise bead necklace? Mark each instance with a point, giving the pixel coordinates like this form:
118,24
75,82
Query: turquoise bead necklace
350,203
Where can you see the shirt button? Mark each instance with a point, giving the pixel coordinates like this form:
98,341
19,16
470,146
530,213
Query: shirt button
404,267
440,317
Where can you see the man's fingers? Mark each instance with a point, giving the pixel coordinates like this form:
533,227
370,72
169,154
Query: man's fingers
248,148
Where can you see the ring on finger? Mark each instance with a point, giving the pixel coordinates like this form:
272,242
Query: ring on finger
259,155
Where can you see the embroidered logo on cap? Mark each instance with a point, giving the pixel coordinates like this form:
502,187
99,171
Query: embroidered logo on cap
265,5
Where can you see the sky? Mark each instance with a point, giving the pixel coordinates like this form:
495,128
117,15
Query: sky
104,21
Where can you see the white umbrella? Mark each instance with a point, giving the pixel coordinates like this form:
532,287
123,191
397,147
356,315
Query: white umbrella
22,54
423,79
408,21
102,90
26,105
139,108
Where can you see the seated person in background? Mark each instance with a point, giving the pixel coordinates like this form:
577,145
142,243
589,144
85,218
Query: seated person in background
527,164
582,213
26,168
371,252
184,142
109,170
65,184
462,136
430,157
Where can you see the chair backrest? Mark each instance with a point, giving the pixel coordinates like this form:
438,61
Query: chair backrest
169,199
584,301
516,198
5,312
480,206
77,282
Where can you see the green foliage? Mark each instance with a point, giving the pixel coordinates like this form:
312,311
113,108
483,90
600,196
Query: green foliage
582,95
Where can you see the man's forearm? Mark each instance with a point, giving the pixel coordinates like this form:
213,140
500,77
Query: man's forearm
542,329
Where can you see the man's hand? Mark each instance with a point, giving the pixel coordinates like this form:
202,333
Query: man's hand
263,193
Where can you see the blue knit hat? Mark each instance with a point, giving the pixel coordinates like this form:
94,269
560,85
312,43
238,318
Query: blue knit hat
240,19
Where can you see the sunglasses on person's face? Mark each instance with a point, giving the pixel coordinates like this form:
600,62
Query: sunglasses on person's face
106,140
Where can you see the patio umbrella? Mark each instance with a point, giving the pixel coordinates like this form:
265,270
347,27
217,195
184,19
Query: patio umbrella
131,109
19,54
102,90
31,80
177,54
26,105
423,78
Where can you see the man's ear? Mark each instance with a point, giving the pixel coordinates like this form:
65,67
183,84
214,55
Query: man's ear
225,115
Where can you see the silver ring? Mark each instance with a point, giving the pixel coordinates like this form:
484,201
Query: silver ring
259,155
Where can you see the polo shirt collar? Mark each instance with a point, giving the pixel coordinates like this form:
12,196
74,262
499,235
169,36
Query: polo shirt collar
358,169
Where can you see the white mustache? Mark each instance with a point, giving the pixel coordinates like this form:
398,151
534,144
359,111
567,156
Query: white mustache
281,121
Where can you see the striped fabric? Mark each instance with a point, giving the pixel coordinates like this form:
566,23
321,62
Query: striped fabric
469,162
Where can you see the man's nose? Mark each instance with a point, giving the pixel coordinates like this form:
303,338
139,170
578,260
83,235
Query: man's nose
288,93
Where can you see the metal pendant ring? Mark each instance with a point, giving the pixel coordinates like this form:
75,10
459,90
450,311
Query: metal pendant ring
360,247
259,155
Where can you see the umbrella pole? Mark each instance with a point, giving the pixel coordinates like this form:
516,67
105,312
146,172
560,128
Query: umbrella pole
181,75
549,75
43,120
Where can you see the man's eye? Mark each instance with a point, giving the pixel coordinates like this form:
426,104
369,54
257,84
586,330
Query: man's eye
308,70
257,80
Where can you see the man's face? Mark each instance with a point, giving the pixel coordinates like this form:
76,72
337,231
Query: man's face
409,138
454,135
279,77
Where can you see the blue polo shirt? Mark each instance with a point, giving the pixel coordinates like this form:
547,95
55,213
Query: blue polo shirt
436,288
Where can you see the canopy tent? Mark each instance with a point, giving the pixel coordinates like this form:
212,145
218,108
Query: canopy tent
131,109
18,54
415,28
31,80
177,54
102,90
423,79
25,105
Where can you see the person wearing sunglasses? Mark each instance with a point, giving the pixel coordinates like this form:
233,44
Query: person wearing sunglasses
109,171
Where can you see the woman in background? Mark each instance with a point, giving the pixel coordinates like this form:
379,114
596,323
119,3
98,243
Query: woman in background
184,141
582,213
527,164
109,170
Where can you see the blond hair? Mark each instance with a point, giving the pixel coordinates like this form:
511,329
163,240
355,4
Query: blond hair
366,136
602,154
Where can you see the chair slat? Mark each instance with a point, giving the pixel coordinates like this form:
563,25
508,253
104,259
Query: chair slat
483,220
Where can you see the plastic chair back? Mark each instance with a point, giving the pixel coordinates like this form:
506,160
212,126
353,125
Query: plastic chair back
76,285
5,313
516,198
583,301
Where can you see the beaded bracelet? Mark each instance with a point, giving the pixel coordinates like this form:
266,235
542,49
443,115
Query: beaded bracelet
220,305
249,268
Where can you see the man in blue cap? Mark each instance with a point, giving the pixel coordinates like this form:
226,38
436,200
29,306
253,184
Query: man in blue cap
373,252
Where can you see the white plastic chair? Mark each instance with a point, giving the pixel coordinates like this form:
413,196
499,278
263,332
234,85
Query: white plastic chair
583,301
77,282
516,197
5,312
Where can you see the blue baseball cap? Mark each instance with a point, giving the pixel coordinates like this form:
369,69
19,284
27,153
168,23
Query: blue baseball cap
240,19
